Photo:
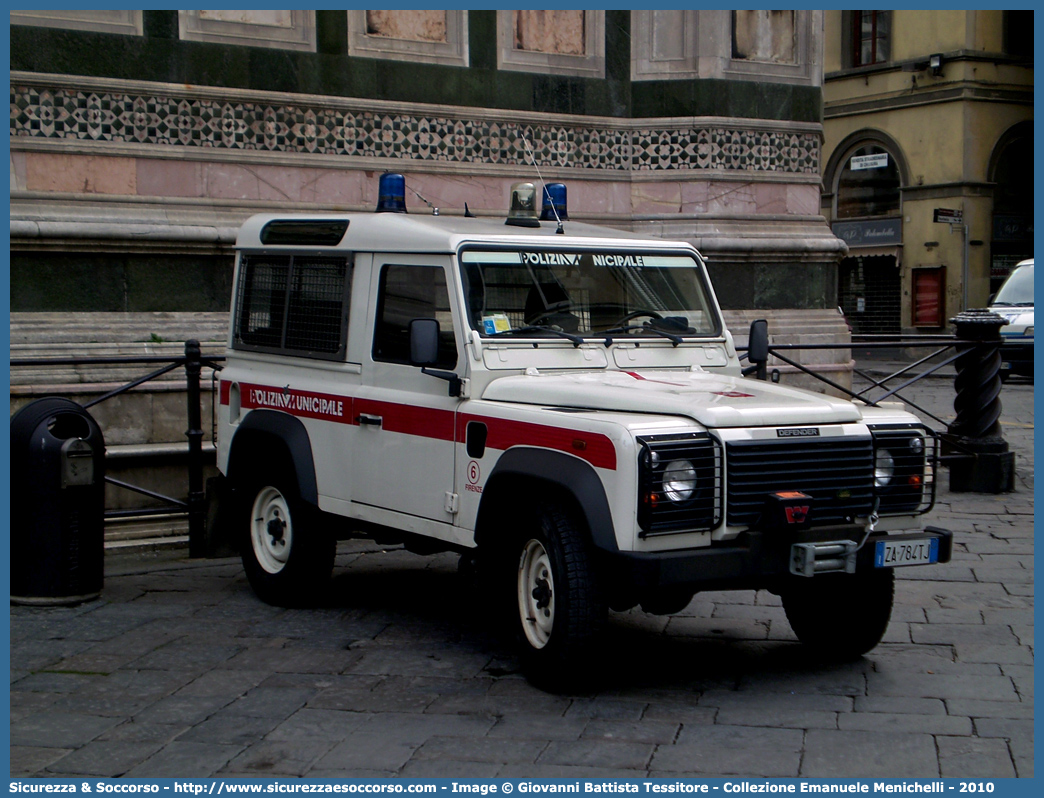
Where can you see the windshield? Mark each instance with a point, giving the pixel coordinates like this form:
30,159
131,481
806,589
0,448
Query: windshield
579,293
1018,288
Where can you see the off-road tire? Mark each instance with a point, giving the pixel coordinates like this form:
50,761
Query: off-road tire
560,612
292,575
840,617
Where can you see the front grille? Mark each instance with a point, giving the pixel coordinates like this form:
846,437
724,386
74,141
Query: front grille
837,474
658,514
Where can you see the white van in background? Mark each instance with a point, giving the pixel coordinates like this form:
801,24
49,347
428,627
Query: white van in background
1014,302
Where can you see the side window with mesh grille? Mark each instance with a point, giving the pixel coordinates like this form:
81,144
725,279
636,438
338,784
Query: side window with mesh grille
293,304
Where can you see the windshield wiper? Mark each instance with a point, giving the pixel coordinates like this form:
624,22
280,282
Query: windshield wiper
674,339
576,339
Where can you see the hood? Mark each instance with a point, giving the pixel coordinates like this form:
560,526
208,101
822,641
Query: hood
710,399
1018,317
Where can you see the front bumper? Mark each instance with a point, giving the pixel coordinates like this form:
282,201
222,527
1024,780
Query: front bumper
1017,357
758,562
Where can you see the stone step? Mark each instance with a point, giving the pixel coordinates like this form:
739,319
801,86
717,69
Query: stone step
142,327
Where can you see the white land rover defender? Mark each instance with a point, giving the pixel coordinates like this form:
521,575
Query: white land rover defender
561,404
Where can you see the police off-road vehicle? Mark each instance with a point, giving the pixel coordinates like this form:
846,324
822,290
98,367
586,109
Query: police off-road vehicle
561,404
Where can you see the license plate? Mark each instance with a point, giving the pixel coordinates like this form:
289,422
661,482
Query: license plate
893,553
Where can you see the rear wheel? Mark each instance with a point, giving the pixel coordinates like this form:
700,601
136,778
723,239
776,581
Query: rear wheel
287,554
840,616
560,610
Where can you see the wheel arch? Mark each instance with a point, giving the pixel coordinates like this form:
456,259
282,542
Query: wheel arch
567,475
271,431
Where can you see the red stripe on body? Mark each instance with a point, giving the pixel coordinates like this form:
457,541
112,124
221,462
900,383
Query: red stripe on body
426,422
595,448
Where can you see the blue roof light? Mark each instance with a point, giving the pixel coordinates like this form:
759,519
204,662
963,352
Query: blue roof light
554,194
391,193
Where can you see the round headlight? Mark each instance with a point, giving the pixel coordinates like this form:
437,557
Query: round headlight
916,445
679,480
884,467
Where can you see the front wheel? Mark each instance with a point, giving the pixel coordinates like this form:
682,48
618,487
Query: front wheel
840,616
561,611
287,555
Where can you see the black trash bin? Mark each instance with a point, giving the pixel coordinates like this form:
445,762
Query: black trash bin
57,503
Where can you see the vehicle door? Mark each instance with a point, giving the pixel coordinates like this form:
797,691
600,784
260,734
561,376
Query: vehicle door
403,466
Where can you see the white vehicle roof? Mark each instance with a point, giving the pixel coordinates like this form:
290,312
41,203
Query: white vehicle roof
401,232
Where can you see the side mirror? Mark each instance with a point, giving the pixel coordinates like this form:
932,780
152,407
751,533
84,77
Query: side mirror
424,342
424,352
757,350
758,344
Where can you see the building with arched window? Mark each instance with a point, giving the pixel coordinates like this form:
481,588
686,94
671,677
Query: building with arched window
928,125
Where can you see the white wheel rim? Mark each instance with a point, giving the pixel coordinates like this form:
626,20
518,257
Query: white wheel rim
271,532
536,594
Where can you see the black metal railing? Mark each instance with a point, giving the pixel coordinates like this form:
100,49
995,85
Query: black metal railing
193,361
941,344
973,446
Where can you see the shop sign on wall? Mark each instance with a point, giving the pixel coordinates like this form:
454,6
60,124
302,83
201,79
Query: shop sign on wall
1012,228
878,161
874,233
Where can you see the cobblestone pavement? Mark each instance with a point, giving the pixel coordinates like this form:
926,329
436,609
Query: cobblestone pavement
180,671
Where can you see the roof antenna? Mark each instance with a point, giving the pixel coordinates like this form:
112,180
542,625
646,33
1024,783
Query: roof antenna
543,186
434,210
467,212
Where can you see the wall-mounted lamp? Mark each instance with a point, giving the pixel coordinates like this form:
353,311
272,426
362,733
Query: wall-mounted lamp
935,64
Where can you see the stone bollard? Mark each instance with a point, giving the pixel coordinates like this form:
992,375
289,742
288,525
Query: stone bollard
976,430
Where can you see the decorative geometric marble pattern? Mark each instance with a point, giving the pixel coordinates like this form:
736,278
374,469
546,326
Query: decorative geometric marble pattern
122,117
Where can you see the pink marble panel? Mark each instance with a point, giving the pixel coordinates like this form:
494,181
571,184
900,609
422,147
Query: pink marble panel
80,174
695,196
656,197
560,32
341,187
17,171
731,198
162,178
230,181
423,26
770,198
803,199
598,196
283,183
